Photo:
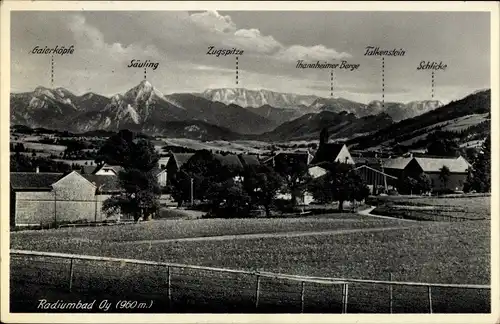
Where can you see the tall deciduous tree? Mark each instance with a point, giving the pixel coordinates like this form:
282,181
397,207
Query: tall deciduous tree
295,175
341,183
479,177
444,175
262,184
441,145
117,149
140,187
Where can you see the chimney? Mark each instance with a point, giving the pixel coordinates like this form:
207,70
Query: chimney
37,170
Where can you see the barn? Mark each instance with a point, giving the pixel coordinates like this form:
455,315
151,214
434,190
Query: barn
48,198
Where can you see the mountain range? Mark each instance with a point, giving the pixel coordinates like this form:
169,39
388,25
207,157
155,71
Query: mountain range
214,114
287,105
467,119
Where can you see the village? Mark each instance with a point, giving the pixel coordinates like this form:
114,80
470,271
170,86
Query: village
40,198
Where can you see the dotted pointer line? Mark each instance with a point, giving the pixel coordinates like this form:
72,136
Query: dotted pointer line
52,71
383,82
331,79
432,88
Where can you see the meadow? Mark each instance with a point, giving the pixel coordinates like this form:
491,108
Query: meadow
434,208
421,251
172,229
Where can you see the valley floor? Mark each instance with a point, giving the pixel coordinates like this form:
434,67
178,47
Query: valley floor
335,245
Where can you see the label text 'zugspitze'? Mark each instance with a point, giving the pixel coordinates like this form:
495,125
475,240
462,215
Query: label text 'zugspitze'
223,52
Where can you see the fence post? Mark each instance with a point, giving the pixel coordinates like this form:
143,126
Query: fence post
169,288
71,274
345,294
257,292
429,292
343,297
390,293
302,297
55,209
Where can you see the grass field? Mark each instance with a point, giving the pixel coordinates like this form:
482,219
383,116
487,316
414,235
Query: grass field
170,229
233,146
432,208
43,147
422,251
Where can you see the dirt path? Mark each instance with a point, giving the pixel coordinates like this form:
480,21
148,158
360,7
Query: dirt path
367,212
268,235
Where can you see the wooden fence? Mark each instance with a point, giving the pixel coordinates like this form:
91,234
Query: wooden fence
64,278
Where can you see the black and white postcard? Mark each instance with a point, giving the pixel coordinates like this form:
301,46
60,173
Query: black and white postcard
249,162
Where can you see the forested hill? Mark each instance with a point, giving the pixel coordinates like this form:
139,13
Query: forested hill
474,107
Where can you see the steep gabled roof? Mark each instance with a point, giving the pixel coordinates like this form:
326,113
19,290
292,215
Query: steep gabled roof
366,167
87,169
456,165
163,160
230,160
248,160
106,184
327,152
115,168
317,171
181,158
429,164
303,156
33,180
398,163
371,161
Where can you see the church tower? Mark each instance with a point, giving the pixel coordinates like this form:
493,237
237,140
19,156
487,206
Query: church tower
323,137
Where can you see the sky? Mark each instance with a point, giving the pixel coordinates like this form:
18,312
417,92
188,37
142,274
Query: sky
105,42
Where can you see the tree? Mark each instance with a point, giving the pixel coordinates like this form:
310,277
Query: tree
228,198
116,149
206,172
23,163
479,176
442,145
295,175
341,183
423,184
262,185
444,175
140,187
408,185
19,147
201,169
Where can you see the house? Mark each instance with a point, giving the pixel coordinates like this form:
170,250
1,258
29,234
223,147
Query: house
176,161
285,159
317,171
108,170
88,169
331,152
163,161
414,166
396,166
249,160
231,161
161,176
113,170
48,198
375,177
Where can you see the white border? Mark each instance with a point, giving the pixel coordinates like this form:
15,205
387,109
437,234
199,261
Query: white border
7,6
